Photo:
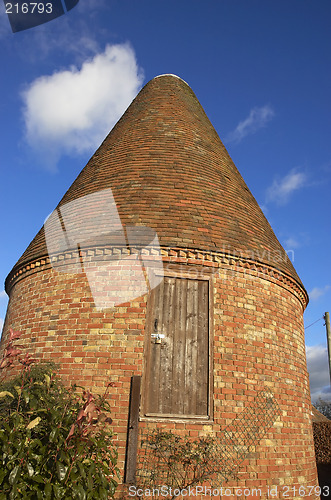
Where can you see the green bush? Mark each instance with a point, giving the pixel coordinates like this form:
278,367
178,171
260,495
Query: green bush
55,443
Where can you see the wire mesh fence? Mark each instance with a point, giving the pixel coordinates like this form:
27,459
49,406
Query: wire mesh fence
167,459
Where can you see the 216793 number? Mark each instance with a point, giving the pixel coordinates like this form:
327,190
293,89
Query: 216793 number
304,491
29,8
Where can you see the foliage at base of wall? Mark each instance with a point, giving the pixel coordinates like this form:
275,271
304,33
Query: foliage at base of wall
55,442
179,462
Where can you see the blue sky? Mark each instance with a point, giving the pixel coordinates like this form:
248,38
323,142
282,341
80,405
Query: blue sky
261,71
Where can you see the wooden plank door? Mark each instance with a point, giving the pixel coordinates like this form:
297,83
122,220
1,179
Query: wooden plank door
177,366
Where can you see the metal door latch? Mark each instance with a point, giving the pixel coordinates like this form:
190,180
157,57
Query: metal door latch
157,337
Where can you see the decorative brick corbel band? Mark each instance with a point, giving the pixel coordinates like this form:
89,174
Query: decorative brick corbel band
185,256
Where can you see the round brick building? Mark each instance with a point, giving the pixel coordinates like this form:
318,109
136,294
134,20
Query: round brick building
159,271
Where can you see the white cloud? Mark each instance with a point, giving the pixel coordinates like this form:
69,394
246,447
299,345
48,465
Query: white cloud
257,118
291,243
318,368
72,110
281,189
3,294
316,292
1,324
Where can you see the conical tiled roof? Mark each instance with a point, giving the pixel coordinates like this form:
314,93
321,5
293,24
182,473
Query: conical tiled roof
169,170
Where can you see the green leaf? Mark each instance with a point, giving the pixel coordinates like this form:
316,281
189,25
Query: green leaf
90,482
59,492
79,492
26,396
38,479
39,410
102,493
3,473
53,434
18,389
48,380
81,469
35,442
33,423
3,394
13,476
48,490
92,468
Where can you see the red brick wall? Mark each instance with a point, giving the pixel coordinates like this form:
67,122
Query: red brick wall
259,335
258,343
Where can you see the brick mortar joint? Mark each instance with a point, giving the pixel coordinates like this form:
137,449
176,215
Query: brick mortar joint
171,255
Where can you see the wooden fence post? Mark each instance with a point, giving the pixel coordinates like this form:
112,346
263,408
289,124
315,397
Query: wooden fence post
132,434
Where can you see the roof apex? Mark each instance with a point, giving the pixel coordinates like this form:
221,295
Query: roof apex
170,74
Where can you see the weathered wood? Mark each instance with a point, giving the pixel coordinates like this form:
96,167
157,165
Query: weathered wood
178,359
202,374
189,369
153,349
132,434
165,369
177,381
177,416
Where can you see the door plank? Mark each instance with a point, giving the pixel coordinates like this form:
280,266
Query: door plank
178,360
154,361
166,346
202,387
